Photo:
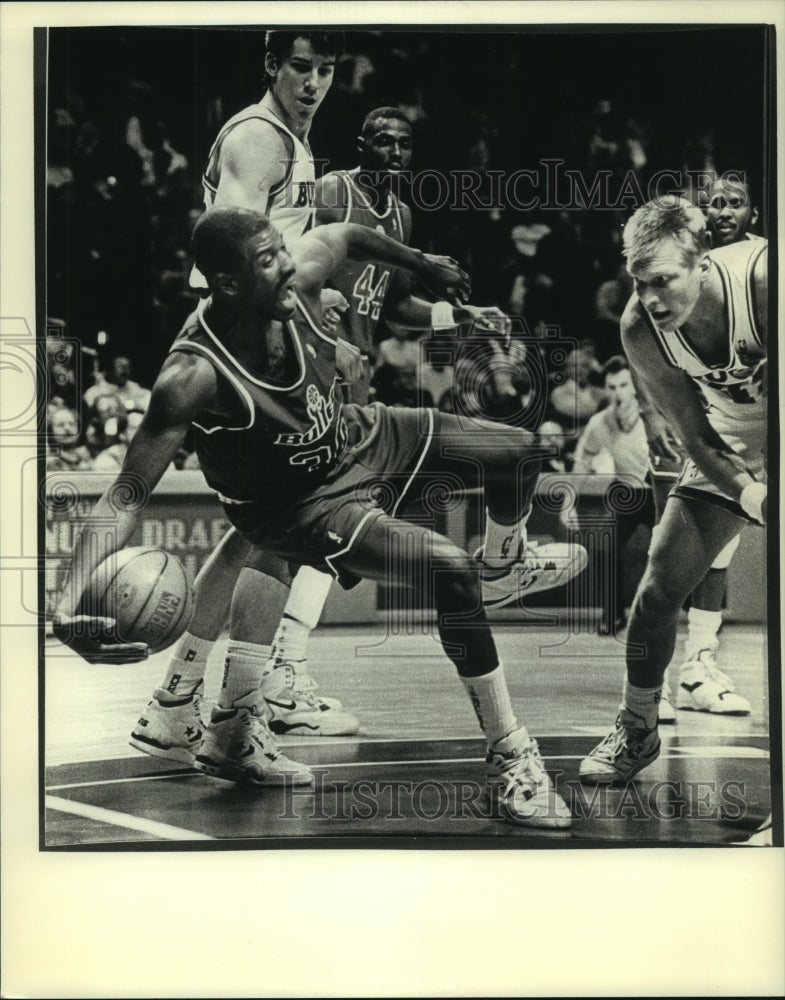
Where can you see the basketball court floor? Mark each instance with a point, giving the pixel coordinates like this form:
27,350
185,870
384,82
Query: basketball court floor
414,774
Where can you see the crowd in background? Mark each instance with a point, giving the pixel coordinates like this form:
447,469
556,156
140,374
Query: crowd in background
123,195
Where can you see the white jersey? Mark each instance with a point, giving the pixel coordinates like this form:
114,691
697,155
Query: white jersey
733,388
290,203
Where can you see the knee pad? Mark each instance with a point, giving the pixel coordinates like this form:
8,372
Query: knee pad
723,560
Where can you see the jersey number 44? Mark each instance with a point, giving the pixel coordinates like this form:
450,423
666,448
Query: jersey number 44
369,292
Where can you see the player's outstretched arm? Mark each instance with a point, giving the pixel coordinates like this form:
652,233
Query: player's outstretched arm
678,398
321,251
416,313
186,384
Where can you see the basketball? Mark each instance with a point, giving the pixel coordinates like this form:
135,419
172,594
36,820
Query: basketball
146,591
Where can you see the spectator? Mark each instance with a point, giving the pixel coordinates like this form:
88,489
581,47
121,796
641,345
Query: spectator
111,434
614,442
551,436
435,380
117,382
106,406
611,298
575,399
63,451
399,351
397,385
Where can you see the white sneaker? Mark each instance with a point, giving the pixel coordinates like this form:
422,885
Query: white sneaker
666,713
238,746
170,729
761,838
292,712
538,567
705,688
304,683
519,787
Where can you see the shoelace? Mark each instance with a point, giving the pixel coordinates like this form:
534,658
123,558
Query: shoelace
616,742
305,684
300,687
527,761
258,732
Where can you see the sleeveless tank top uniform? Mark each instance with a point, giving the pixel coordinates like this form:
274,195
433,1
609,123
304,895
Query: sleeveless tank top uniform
364,284
733,389
290,205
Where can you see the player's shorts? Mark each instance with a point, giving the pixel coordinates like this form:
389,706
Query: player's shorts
374,478
667,469
664,474
748,440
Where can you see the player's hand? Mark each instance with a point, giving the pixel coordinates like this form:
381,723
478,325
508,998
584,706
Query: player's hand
333,304
445,278
660,437
348,361
95,639
487,319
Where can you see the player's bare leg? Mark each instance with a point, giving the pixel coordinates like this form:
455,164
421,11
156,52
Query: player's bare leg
506,466
688,539
518,786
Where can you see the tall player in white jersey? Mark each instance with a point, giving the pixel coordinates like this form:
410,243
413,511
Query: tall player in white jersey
260,160
700,685
695,331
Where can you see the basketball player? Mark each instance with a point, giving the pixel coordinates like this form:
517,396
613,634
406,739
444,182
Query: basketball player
730,215
298,475
170,724
261,160
365,196
695,331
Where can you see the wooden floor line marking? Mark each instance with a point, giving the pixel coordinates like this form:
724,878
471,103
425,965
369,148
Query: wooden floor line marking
122,781
149,826
679,753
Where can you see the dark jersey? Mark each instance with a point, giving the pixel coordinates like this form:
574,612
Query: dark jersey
266,441
365,284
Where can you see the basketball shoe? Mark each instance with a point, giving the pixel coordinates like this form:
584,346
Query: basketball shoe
171,729
304,683
762,837
294,712
519,787
703,687
627,749
238,746
538,567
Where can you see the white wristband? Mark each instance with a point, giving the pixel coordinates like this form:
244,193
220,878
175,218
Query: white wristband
442,316
751,500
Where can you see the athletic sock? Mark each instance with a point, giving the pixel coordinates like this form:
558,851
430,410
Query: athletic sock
290,643
504,542
643,702
702,629
243,670
491,700
185,670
